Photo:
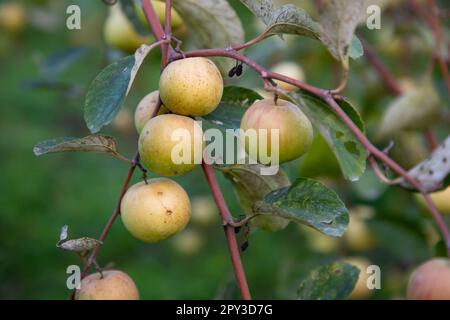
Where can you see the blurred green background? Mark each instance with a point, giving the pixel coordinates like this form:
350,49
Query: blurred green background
38,195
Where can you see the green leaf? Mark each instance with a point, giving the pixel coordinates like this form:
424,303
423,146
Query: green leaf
307,202
416,109
433,171
250,187
213,24
349,152
338,21
334,281
234,103
92,143
288,19
110,88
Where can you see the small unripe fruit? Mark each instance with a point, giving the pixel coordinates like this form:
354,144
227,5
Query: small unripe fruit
289,69
155,211
119,32
360,291
160,8
191,86
12,17
430,281
295,129
171,145
146,108
115,285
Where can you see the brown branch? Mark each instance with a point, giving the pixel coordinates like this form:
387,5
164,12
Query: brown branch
432,20
327,96
112,218
209,172
229,231
388,79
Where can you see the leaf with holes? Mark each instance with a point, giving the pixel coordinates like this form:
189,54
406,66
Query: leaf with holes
334,281
338,20
234,103
307,202
92,143
289,19
214,23
110,88
349,152
432,172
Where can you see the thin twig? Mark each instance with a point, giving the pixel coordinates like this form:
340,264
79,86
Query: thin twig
93,257
376,169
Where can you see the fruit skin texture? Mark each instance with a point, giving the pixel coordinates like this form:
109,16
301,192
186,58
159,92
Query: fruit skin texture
440,198
289,69
160,8
146,108
295,129
156,145
115,285
360,291
191,86
430,281
155,211
12,17
119,32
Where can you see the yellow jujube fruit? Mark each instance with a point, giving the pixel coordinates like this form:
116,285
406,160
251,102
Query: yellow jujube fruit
191,87
155,210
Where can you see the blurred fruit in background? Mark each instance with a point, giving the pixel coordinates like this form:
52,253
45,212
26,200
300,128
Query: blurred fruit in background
440,198
124,121
13,17
318,241
160,8
361,291
289,69
358,236
204,211
189,242
119,33
430,281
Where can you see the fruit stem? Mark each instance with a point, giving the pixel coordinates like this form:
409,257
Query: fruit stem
229,231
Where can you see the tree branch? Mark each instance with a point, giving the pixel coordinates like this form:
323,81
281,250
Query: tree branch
229,231
327,96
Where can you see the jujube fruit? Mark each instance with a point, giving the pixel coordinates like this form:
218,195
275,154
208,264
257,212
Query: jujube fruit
191,86
295,129
114,285
155,211
171,145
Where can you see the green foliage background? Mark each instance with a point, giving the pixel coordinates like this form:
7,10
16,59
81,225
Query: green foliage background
39,195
